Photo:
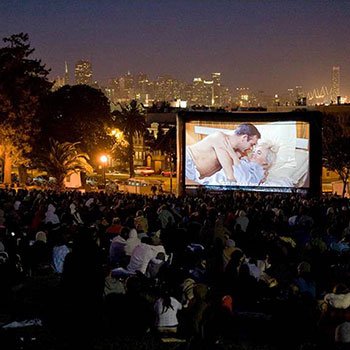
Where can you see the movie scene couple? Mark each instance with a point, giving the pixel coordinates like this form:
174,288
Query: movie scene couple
243,156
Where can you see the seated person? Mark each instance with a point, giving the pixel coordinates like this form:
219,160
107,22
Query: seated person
143,254
117,254
115,228
335,310
166,308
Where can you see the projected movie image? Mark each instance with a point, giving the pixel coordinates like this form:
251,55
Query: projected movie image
248,154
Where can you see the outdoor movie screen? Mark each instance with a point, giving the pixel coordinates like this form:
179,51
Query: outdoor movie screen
256,155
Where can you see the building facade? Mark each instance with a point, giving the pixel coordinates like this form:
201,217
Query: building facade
83,72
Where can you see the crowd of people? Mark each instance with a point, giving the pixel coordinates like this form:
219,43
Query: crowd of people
208,268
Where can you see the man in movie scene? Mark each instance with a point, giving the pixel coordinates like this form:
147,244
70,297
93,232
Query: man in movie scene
251,170
220,151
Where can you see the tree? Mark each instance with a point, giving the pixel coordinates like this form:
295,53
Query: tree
130,119
23,83
64,159
167,144
120,148
166,140
336,151
78,113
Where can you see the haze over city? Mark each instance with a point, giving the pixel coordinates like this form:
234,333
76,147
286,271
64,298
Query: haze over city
263,45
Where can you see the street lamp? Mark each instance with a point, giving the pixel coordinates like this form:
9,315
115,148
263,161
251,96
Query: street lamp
104,160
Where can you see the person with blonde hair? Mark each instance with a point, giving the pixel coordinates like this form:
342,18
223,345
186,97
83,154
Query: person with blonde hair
261,160
251,170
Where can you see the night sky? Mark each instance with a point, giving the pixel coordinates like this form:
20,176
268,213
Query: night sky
264,45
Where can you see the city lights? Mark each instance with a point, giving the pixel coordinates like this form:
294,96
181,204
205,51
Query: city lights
104,160
117,134
202,91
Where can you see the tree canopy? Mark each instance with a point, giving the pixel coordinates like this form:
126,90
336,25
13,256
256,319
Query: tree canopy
63,159
23,83
120,148
130,119
77,113
336,150
166,140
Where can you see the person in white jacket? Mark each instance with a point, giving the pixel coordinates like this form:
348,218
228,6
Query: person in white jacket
142,255
132,242
166,308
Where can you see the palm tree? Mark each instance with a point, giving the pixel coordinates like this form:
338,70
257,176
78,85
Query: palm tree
63,159
130,119
167,144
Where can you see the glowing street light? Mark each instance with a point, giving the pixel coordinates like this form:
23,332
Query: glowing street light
104,160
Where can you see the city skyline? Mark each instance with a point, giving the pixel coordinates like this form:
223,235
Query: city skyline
325,89
253,44
204,90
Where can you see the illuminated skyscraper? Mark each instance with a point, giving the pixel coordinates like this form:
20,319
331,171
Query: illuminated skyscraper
208,93
335,83
187,92
216,78
58,83
243,96
197,91
127,87
141,87
166,88
83,72
300,96
61,81
66,74
141,83
226,97
202,92
110,93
